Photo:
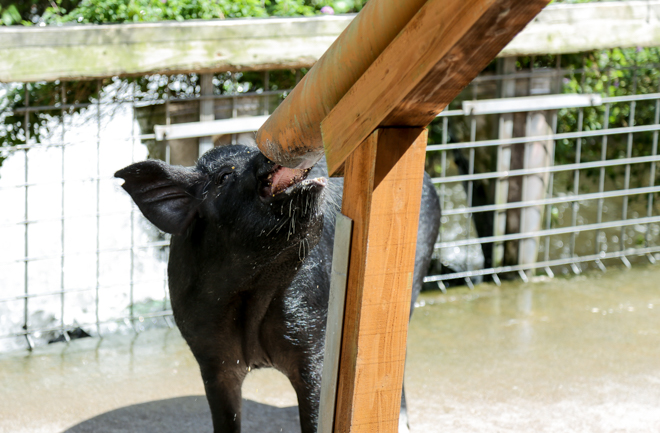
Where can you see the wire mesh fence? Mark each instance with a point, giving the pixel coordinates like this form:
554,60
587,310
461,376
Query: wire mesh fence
575,188
531,183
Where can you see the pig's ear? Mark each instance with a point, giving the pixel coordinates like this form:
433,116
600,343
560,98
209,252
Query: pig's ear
168,196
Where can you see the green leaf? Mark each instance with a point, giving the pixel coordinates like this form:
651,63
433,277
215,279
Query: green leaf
10,16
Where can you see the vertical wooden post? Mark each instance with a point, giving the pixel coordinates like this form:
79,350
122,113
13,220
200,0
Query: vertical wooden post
538,154
503,161
206,111
382,194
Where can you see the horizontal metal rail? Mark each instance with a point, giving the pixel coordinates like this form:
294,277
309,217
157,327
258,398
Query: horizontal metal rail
61,182
165,313
562,136
95,251
75,290
482,107
549,232
60,144
60,218
556,72
630,98
544,264
551,169
143,102
554,200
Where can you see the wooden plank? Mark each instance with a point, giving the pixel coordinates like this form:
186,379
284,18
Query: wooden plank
333,330
574,28
234,125
382,194
97,51
435,56
206,112
522,104
503,164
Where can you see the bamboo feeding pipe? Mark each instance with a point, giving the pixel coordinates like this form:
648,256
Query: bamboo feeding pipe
292,135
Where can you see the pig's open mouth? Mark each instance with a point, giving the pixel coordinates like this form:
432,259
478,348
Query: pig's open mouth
282,179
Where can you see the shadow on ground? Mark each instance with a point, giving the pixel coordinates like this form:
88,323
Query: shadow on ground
187,414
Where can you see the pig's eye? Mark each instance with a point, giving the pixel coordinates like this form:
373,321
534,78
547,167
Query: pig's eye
221,178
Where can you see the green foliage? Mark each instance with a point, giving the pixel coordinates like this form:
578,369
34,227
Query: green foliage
113,11
123,11
29,12
10,15
616,72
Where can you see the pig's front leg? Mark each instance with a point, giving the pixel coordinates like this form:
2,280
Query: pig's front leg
223,392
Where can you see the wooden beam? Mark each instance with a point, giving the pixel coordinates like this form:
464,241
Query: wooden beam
96,51
99,51
574,28
435,56
382,194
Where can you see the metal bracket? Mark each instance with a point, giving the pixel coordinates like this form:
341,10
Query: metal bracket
334,327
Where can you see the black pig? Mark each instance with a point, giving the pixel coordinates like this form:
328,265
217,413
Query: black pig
249,267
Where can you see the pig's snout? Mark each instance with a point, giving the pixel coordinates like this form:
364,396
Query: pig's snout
287,180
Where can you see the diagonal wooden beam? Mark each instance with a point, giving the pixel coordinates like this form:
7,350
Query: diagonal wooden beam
438,53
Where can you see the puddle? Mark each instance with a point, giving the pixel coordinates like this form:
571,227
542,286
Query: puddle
553,355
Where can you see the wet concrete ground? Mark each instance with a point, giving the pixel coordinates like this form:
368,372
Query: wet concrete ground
578,355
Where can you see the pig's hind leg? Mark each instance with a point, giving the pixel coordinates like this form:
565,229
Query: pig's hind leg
308,391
